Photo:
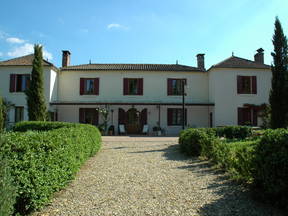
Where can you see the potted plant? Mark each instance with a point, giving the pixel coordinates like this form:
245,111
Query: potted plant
157,130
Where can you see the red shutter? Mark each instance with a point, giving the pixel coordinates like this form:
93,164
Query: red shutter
185,114
96,86
255,114
28,81
96,118
82,115
121,116
125,86
254,85
169,86
140,86
169,116
82,83
143,117
240,116
12,82
239,84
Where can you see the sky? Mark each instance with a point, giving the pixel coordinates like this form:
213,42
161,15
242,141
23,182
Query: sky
140,31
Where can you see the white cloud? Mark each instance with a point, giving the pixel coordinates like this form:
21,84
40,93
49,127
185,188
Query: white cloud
117,26
1,54
3,34
14,40
27,49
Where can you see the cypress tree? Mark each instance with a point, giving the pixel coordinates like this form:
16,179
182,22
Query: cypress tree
278,94
1,115
37,110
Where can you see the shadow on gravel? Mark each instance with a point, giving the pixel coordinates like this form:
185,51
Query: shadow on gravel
233,199
170,153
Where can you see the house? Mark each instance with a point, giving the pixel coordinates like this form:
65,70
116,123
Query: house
229,93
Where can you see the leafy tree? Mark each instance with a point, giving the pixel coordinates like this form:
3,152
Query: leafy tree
278,95
37,110
1,115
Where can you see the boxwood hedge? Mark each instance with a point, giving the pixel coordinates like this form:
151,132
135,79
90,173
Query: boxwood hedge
262,160
270,171
7,186
46,157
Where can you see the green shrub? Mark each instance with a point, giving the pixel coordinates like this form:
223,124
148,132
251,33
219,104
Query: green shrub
45,161
41,126
235,157
234,132
7,187
271,166
194,142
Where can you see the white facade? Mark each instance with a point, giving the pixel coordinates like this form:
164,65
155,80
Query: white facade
211,96
18,99
223,92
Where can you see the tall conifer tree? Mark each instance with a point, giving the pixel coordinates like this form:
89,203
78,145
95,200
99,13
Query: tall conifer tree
278,95
1,115
37,110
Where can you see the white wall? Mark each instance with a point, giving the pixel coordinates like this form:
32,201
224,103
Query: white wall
223,92
197,116
111,86
19,98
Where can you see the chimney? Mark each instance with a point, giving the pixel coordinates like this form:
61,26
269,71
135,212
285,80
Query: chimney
65,58
200,61
259,56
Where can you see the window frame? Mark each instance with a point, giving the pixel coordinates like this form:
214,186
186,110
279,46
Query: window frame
16,117
250,81
138,85
19,82
176,112
175,91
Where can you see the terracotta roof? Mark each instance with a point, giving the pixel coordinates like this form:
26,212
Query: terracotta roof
236,62
137,67
23,61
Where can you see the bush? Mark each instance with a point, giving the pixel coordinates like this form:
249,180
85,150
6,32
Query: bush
235,157
41,126
234,132
271,166
7,188
45,161
195,142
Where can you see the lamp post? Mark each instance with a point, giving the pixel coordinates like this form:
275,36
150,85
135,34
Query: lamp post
183,103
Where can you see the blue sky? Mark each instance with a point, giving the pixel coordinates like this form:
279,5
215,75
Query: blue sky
140,31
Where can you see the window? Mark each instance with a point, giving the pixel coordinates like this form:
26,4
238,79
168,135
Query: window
174,116
19,114
174,86
133,86
247,116
19,82
246,85
88,116
89,86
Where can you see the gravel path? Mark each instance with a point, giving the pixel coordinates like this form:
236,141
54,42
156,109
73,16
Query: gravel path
148,176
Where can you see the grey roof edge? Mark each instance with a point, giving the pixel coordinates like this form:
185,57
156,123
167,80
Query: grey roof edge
184,68
216,65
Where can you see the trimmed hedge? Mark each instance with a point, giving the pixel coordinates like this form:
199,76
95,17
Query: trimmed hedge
7,187
43,162
234,157
41,126
262,161
270,171
194,142
234,132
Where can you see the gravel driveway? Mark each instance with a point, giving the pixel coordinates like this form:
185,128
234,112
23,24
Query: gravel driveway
148,176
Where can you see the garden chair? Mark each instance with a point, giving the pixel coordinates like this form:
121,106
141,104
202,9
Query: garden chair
122,129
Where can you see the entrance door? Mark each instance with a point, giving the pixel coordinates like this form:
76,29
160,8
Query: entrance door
133,121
